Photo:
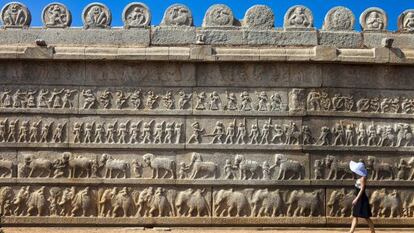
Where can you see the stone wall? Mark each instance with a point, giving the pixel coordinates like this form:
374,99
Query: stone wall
156,129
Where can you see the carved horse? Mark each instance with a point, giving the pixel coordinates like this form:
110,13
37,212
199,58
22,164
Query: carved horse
288,166
246,167
111,165
337,167
157,164
199,166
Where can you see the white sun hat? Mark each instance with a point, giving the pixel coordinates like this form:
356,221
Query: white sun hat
358,168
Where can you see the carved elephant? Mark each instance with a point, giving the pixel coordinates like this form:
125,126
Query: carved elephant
189,201
230,203
37,202
303,203
122,202
110,165
340,203
7,166
386,205
265,203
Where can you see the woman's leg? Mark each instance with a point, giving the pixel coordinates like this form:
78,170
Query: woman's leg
354,224
371,225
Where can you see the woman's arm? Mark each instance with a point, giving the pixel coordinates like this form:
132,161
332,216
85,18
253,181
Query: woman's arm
361,191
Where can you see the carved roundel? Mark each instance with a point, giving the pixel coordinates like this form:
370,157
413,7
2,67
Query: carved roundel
218,15
298,17
259,17
339,19
406,21
177,15
56,15
373,19
136,15
15,15
96,15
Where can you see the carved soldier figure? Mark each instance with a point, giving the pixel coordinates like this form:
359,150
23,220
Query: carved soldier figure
307,135
349,135
254,134
147,132
3,130
292,133
276,102
122,100
17,99
6,99
229,170
77,131
318,169
372,135
241,133
60,165
246,104
110,132
231,131
218,133
34,131
134,133
266,171
201,101
263,101
66,98
231,102
88,138
123,132
90,99
31,99
58,135
183,171
151,100
169,101
136,99
324,136
159,132
169,132
24,131
278,134
215,101
184,99
99,133
106,99
55,100
45,132
266,132
339,134
197,132
403,169
42,98
177,132
12,131
361,135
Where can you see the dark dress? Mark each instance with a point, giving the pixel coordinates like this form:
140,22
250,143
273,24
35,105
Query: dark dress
362,209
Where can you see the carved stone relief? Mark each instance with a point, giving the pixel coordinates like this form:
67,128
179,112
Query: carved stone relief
406,21
339,19
373,19
136,15
298,17
96,15
56,15
259,17
177,15
218,15
15,15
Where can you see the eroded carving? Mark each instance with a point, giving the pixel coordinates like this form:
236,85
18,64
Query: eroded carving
15,15
136,15
56,15
96,15
373,19
298,17
177,15
339,19
218,15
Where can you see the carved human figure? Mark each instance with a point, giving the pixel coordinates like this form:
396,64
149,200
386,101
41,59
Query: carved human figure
292,133
42,98
111,132
3,130
197,133
122,100
53,199
406,21
123,132
67,98
159,132
99,136
241,133
266,171
135,133
105,202
136,99
177,132
31,98
136,15
254,134
56,15
338,134
184,99
275,102
152,100
229,170
318,169
298,17
6,198
246,103
96,15
106,99
55,100
137,168
215,101
375,21
169,132
183,171
263,101
88,135
267,126
6,99
12,131
169,100
278,134
307,138
324,139
218,133
147,132
89,99
201,101
403,169
58,135
15,14
231,101
24,131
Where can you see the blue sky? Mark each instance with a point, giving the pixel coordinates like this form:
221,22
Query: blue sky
239,7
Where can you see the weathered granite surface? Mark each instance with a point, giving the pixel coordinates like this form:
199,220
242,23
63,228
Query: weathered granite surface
233,123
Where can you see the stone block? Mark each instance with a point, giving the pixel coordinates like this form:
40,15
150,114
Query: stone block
220,36
165,35
340,39
280,38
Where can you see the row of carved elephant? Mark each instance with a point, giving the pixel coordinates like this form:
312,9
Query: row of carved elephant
330,167
156,201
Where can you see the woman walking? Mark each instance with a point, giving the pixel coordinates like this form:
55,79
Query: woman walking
361,208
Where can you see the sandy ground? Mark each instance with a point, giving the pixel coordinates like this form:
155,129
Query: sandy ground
189,230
